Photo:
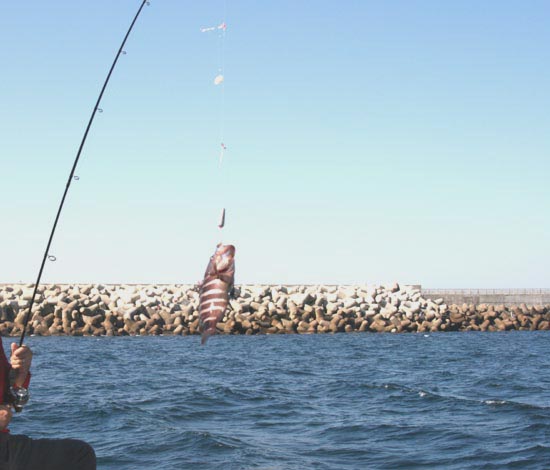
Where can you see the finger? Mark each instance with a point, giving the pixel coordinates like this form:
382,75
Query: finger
22,352
21,366
15,364
23,360
13,347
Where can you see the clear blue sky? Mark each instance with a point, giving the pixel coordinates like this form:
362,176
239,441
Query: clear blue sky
368,141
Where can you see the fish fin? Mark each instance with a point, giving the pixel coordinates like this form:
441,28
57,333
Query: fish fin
204,337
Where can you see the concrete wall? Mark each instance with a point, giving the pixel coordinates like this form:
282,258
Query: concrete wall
490,296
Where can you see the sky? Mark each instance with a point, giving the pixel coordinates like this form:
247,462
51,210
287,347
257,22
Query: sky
367,141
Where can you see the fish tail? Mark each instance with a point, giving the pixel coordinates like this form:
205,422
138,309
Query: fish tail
207,332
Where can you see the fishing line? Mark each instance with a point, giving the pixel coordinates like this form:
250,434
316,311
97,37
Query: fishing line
221,62
223,148
72,176
219,81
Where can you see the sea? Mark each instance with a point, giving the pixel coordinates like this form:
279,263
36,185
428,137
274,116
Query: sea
468,400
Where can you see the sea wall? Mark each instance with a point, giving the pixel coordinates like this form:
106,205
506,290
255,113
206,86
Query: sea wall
490,296
115,310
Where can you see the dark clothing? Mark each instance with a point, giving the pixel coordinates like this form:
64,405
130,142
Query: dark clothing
24,453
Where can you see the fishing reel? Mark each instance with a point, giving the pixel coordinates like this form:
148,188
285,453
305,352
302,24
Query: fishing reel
18,397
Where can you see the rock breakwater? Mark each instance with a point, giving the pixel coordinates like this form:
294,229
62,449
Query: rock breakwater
116,310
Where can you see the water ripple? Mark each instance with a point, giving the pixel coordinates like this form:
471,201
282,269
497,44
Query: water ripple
453,401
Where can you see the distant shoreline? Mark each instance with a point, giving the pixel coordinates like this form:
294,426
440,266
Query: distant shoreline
168,309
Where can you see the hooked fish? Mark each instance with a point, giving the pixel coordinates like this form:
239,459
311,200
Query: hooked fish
215,289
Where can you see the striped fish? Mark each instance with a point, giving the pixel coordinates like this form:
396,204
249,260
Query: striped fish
215,288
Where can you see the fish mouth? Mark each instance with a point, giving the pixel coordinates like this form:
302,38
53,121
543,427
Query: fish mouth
225,255
226,250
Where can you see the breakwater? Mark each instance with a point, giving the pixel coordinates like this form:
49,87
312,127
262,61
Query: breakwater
491,296
115,310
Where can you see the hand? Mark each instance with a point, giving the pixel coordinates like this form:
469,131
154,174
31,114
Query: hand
21,358
5,416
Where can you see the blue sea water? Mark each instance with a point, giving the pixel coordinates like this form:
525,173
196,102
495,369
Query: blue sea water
345,401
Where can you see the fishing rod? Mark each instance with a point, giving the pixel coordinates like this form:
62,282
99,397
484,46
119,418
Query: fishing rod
19,396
